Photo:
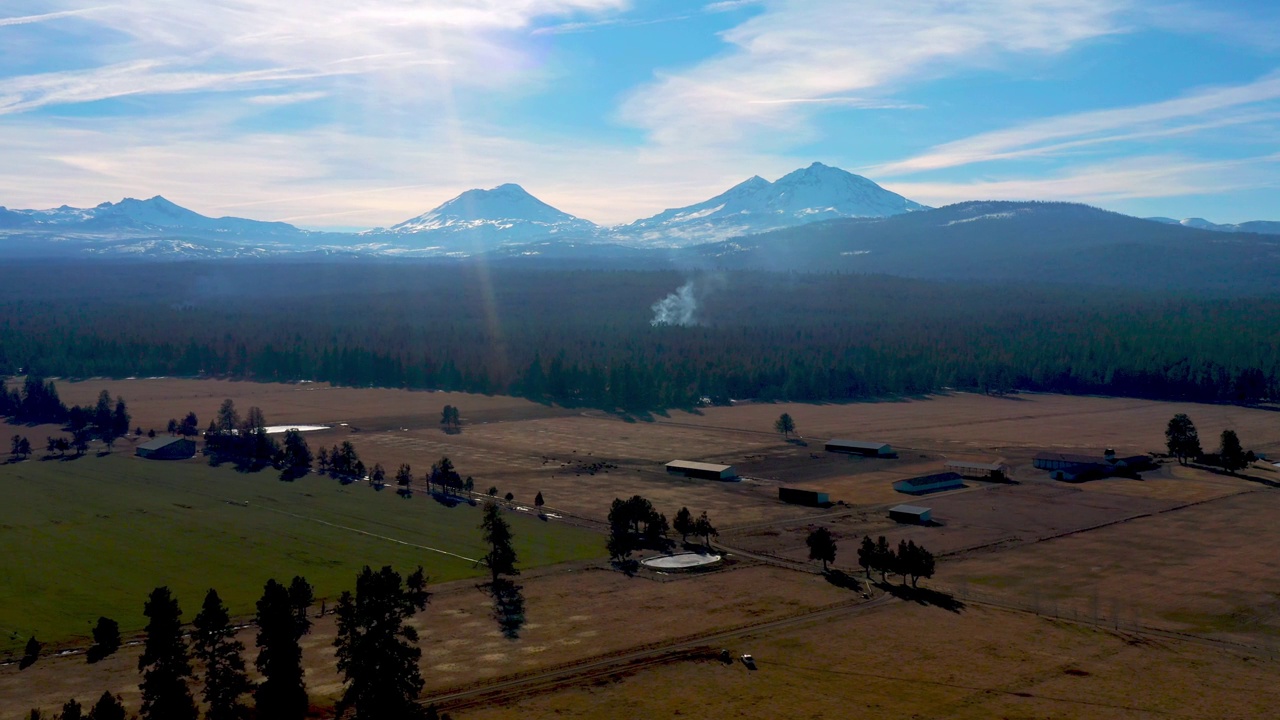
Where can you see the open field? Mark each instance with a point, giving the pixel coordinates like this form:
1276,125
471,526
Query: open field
906,660
1182,550
92,536
569,615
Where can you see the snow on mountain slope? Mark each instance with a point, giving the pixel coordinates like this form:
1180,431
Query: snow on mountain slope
132,217
818,192
480,220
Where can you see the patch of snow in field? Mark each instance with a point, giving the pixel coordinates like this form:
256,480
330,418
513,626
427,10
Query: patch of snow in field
276,429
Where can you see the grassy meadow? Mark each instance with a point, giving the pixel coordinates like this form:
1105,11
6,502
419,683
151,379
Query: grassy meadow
92,536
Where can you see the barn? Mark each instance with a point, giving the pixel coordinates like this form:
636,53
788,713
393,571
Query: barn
929,483
167,448
701,471
861,447
796,496
978,470
911,514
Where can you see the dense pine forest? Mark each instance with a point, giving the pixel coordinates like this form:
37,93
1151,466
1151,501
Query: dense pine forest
587,338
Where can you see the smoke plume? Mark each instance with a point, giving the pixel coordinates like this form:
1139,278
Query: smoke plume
678,308
684,306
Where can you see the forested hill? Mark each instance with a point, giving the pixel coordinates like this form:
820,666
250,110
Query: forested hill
587,338
1057,243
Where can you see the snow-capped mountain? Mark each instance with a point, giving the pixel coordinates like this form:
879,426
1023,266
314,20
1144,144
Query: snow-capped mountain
480,220
131,217
818,192
1262,227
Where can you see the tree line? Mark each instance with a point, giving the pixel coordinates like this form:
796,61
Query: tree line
794,337
1183,442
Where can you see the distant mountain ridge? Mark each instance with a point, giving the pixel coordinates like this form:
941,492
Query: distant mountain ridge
1262,227
149,216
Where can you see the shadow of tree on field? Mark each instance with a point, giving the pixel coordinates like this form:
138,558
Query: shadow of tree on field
508,607
923,596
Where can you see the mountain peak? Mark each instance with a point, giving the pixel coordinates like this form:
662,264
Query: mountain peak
816,192
485,218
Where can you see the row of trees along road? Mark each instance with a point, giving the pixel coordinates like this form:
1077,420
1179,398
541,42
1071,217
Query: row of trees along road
910,561
1183,441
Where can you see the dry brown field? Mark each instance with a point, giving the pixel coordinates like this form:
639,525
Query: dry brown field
911,661
1181,551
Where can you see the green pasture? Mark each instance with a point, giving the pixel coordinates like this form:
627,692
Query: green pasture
92,536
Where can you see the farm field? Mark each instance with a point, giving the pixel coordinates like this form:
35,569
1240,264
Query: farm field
907,660
1158,570
92,536
568,615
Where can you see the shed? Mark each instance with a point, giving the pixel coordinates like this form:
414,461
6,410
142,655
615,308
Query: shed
700,470
970,469
913,514
798,496
167,448
860,447
929,483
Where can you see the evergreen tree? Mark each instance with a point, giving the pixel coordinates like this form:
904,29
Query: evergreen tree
295,455
71,710
214,645
282,694
164,663
882,559
120,418
404,476
108,707
703,528
1230,453
501,557
538,502
32,651
821,546
867,555
106,637
190,425
785,425
378,477
377,652
1182,439
683,524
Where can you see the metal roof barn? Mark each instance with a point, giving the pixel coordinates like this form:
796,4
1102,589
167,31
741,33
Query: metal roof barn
701,470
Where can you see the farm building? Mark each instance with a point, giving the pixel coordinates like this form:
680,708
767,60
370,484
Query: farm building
1078,468
797,496
979,470
167,448
860,447
913,514
929,483
701,471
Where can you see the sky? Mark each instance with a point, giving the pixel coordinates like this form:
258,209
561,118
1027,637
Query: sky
363,113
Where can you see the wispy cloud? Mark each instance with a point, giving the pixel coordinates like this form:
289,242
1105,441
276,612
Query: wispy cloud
45,17
257,42
1119,180
1195,112
867,103
814,49
286,98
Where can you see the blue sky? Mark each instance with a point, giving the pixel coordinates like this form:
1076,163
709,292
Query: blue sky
333,113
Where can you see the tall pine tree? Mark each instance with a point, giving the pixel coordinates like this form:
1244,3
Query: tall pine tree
164,664
225,681
377,653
